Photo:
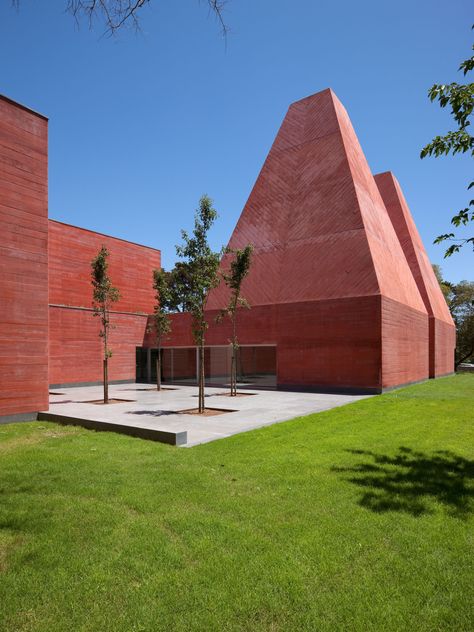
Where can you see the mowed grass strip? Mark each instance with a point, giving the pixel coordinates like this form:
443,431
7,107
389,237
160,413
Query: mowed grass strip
360,518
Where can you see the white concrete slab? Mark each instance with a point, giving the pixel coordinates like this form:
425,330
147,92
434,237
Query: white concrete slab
158,412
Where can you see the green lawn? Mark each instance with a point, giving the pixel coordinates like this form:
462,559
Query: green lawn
360,518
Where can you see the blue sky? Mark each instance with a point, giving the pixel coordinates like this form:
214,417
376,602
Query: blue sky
142,124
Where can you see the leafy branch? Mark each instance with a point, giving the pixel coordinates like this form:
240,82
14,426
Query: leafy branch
460,98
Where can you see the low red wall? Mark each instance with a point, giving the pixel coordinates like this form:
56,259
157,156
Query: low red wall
333,343
76,351
444,345
405,344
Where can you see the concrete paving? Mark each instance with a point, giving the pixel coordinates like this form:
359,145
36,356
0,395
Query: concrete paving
155,415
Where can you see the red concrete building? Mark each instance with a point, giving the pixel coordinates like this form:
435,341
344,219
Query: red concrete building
343,295
75,349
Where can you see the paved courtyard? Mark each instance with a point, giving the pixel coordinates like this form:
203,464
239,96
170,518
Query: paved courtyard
156,415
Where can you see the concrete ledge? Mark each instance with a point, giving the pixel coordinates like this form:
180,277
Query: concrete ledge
330,390
163,436
388,389
351,390
18,417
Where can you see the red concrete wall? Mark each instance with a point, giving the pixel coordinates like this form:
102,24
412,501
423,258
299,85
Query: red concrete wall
76,350
320,344
23,260
405,349
257,360
326,258
326,344
316,218
442,337
71,250
444,344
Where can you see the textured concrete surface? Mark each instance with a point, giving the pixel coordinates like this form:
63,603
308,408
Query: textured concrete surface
73,330
331,282
442,332
23,259
151,410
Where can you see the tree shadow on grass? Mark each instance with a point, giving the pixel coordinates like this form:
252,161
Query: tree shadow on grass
409,480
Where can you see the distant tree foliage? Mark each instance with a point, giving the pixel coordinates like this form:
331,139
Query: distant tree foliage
104,294
460,300
116,14
462,309
199,267
239,268
460,98
446,286
179,284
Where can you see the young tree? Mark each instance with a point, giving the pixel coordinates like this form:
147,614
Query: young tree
462,309
460,300
103,296
201,265
239,268
460,98
179,284
445,286
162,323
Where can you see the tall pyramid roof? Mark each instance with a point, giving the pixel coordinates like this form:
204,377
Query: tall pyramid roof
412,245
316,217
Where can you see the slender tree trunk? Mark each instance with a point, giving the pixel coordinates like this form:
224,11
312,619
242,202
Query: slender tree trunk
106,360
201,378
232,371
464,357
106,385
158,369
233,379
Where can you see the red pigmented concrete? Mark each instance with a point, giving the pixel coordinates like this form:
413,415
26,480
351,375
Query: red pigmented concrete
330,283
442,332
23,260
76,350
340,280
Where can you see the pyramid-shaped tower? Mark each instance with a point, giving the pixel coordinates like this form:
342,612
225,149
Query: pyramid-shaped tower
441,326
330,283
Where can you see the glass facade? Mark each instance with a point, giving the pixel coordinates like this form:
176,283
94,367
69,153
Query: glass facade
256,366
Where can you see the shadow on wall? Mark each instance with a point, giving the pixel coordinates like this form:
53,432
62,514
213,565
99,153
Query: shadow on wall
406,482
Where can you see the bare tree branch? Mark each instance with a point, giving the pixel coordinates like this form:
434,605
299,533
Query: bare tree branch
118,13
217,7
115,13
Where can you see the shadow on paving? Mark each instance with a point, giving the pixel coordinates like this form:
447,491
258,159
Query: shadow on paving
406,481
153,413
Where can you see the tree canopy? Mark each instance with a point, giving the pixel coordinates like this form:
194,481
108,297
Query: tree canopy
460,98
104,294
199,267
239,268
460,300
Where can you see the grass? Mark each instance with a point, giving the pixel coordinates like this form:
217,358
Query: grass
360,518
